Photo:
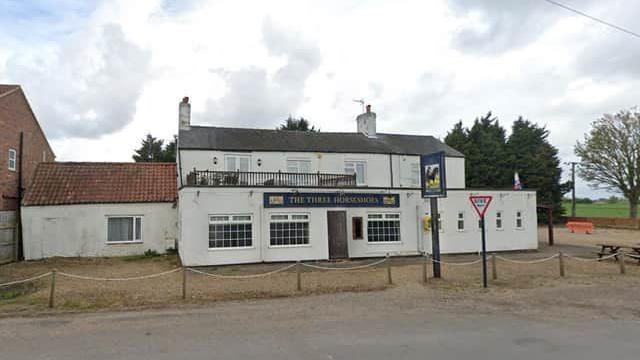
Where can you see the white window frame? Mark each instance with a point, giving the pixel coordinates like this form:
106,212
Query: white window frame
12,162
385,216
290,219
236,162
521,218
134,228
230,220
414,170
499,216
351,167
295,163
463,218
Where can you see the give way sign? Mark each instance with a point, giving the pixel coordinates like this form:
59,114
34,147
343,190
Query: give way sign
480,203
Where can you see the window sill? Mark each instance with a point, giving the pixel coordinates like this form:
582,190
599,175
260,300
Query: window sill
384,242
231,248
289,246
124,242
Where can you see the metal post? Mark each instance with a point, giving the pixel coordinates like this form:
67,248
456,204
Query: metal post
52,288
561,263
494,267
299,275
623,270
550,228
573,189
435,237
389,280
484,253
184,283
425,263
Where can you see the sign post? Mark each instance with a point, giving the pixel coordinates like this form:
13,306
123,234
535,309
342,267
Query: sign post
481,204
434,185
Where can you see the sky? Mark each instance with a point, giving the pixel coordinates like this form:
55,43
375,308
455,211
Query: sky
102,74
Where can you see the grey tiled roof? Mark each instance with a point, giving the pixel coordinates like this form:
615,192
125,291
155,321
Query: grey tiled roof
241,139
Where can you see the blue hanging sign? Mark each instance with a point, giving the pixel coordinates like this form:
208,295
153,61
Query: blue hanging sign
433,177
292,199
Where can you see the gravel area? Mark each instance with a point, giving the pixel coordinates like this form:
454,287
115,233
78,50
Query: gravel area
590,289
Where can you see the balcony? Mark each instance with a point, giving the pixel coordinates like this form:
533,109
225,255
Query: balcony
207,178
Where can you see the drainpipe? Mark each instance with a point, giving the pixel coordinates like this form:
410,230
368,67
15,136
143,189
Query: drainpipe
19,245
391,168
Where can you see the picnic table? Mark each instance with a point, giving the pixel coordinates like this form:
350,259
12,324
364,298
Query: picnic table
613,248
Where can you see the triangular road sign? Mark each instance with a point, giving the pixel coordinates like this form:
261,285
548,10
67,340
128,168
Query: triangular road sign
480,203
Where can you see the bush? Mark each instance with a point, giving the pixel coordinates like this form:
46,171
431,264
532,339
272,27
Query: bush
151,253
172,251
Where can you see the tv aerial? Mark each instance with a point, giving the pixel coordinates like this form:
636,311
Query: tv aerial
361,102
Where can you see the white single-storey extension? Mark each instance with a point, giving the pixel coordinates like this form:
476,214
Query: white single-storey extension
100,209
260,195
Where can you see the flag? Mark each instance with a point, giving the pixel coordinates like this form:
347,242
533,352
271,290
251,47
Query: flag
516,182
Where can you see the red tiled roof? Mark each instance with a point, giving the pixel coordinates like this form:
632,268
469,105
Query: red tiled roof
59,183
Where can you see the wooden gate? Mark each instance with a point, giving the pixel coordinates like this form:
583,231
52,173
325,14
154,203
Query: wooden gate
7,236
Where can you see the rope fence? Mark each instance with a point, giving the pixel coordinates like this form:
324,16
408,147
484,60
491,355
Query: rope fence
494,258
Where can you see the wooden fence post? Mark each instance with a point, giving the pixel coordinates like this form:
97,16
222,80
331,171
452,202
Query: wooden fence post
494,267
561,263
52,288
425,264
623,270
389,280
184,283
299,275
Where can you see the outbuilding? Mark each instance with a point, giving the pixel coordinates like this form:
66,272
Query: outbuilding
90,209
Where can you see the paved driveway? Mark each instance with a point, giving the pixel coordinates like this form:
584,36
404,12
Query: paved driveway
375,325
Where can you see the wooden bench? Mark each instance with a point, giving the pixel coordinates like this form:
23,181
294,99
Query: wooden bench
585,226
613,248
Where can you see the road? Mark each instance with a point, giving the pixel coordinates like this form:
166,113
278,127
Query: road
375,325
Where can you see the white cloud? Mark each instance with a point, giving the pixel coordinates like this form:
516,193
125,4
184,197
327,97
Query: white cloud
108,74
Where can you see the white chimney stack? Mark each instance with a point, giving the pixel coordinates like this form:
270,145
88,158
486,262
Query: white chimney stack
367,123
184,114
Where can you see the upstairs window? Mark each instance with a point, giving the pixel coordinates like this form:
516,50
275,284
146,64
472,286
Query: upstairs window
298,166
124,229
357,167
13,159
237,162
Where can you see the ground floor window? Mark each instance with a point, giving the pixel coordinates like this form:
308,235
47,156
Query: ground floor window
383,228
519,220
289,229
230,231
122,229
460,221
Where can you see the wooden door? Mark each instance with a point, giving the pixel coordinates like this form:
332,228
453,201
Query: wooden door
337,226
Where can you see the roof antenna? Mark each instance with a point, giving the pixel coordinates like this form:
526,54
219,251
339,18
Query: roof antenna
361,101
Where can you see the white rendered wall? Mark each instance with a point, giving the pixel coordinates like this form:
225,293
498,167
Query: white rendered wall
378,172
81,230
468,240
196,204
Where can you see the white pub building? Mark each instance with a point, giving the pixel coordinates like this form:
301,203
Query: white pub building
258,195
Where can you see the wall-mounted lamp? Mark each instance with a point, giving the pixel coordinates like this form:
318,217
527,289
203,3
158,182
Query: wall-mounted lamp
259,162
215,160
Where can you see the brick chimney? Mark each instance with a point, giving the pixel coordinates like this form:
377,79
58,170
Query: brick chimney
184,114
367,123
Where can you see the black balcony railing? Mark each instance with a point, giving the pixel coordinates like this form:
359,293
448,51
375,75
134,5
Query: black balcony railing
209,178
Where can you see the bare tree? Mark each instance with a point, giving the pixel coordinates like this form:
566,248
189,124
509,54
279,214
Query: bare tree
610,155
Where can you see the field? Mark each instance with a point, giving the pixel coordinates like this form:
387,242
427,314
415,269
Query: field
618,209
